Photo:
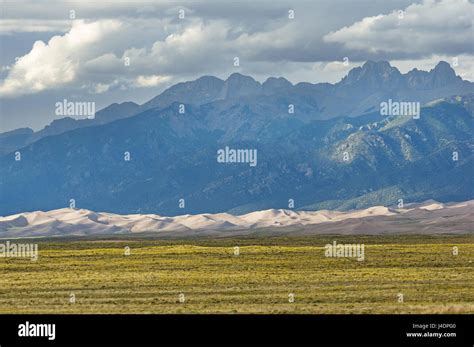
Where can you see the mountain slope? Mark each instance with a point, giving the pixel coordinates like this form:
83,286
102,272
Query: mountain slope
19,138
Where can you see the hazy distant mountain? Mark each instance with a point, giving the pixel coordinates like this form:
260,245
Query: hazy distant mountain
450,219
11,140
334,151
201,91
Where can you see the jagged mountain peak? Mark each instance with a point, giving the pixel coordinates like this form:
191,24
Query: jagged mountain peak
443,72
240,78
378,67
372,74
276,83
382,64
209,81
240,85
443,66
440,76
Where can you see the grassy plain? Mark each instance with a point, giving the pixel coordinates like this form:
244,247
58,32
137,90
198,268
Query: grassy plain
259,280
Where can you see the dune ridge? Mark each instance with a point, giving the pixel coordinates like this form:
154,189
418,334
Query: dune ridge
428,217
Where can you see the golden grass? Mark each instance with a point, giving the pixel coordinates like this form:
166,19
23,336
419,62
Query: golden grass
259,280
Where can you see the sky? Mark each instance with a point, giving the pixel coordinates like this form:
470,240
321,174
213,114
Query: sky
116,51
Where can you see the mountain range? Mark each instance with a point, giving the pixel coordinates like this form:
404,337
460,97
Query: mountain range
335,151
361,91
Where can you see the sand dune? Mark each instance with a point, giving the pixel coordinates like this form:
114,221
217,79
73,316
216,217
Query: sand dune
428,217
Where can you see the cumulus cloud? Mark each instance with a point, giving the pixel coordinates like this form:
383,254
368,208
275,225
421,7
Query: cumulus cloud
58,62
93,54
420,30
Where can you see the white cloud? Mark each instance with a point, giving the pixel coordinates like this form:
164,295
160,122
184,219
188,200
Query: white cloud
101,88
151,80
92,54
57,63
432,27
